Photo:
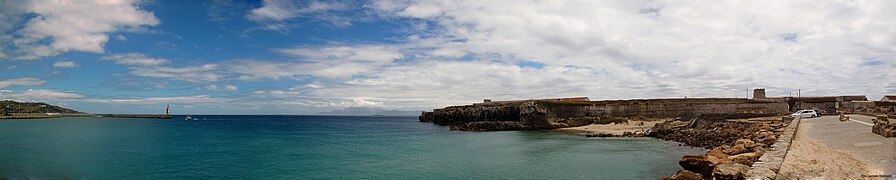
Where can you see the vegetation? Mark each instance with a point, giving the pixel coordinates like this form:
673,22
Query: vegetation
8,106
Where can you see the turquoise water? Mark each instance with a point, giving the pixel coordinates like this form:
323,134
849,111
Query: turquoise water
316,147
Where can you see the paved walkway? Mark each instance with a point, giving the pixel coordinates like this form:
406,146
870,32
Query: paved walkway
854,138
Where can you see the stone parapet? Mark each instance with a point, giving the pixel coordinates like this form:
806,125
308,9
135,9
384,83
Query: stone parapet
769,163
883,126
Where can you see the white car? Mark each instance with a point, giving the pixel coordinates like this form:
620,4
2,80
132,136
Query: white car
805,114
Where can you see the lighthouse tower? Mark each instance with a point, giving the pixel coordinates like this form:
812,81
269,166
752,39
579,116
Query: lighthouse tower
168,109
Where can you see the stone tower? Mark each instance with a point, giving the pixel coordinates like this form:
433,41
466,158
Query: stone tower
759,93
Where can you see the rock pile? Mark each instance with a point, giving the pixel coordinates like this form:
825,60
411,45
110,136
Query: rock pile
722,162
884,127
713,133
624,134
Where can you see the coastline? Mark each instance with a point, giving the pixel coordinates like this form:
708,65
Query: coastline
615,129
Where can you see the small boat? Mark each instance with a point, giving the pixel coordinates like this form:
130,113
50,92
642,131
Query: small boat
189,118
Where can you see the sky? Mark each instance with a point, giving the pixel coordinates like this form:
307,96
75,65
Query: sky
305,57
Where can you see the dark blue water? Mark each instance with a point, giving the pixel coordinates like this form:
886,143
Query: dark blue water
316,147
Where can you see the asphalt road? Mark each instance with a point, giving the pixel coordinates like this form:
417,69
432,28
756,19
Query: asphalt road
854,137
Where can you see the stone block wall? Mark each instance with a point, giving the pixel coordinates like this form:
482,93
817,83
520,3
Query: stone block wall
537,114
671,108
869,108
883,126
769,163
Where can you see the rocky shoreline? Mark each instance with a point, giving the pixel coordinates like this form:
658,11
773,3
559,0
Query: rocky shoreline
735,145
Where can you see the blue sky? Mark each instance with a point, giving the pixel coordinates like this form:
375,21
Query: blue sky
304,57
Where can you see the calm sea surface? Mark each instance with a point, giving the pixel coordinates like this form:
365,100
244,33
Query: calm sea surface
316,147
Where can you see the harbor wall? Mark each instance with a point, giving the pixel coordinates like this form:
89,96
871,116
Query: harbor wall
540,114
156,116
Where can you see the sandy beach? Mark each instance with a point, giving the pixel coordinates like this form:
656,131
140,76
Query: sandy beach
615,129
808,159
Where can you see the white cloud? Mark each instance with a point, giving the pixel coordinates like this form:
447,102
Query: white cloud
276,14
279,10
212,87
194,99
65,64
136,59
333,61
61,26
231,87
203,73
605,50
23,81
38,95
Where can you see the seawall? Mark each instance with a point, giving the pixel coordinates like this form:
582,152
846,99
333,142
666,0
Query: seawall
57,115
541,114
770,162
156,116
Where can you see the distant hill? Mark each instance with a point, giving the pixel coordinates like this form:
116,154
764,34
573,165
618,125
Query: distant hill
371,111
32,107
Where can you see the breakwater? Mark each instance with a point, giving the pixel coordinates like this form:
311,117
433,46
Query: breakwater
156,116
58,115
547,114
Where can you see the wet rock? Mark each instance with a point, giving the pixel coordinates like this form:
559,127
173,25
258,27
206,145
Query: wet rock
599,135
730,171
684,175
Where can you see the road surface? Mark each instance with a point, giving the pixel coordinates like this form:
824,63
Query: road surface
854,137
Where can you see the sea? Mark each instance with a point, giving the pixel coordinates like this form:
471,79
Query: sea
316,147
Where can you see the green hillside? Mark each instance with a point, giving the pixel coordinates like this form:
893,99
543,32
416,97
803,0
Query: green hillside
8,106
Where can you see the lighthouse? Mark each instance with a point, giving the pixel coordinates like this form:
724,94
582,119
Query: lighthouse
168,109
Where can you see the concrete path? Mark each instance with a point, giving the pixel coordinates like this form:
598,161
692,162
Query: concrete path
854,138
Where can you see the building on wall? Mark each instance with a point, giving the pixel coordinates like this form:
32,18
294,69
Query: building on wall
759,93
827,104
888,98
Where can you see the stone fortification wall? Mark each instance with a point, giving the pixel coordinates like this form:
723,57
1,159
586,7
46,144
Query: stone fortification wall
869,108
709,108
535,114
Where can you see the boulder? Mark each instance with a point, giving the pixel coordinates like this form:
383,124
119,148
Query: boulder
759,150
700,164
717,152
599,135
684,175
882,126
745,158
737,149
749,144
730,171
767,139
